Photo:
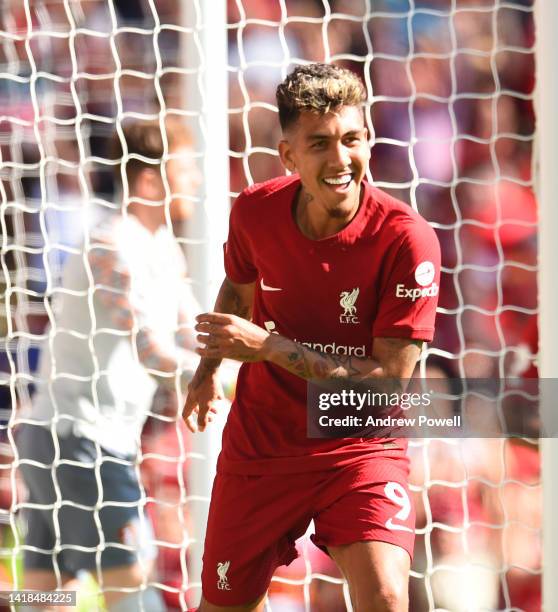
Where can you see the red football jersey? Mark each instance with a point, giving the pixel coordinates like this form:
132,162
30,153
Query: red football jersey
378,277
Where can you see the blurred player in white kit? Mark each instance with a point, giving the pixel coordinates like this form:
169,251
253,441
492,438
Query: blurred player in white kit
120,339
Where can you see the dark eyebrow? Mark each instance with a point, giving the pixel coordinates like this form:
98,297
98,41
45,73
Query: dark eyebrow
318,137
327,136
353,133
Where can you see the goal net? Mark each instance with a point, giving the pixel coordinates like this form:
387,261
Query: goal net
450,113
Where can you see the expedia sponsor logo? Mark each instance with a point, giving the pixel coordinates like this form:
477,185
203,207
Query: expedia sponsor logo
417,292
424,273
335,349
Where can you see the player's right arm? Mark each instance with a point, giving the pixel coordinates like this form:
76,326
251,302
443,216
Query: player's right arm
204,390
235,297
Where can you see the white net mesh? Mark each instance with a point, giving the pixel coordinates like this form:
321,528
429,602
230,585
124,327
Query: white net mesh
450,113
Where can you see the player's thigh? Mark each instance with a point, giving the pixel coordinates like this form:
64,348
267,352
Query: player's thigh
119,529
44,580
368,517
377,574
34,444
252,527
255,606
367,502
100,497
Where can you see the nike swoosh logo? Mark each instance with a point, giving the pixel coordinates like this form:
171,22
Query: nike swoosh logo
266,288
391,525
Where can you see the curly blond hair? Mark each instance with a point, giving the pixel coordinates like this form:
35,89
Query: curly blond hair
318,88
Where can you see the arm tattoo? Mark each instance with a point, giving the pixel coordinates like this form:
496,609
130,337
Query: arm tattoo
231,302
394,357
310,364
228,301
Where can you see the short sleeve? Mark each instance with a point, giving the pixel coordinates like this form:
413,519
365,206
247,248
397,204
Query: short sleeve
239,262
410,286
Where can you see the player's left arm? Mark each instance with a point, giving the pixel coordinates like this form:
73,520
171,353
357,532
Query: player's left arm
391,358
223,335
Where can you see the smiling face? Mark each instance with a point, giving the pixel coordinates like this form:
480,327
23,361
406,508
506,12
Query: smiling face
146,180
184,179
330,152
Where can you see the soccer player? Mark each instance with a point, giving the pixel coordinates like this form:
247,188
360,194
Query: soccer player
326,277
121,340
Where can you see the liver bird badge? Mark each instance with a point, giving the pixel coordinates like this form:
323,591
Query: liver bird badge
222,569
348,300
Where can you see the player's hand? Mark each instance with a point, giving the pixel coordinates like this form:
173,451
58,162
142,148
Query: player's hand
228,336
202,400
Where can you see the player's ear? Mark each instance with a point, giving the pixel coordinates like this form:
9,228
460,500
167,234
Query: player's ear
366,136
149,184
286,156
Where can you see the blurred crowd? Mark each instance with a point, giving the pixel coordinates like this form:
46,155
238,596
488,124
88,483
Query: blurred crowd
452,126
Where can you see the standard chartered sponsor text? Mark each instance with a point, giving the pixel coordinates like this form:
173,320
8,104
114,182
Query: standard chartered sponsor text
333,348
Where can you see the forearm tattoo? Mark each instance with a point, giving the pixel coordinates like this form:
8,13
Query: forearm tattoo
310,364
231,302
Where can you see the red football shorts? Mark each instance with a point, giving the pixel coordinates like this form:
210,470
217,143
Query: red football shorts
254,521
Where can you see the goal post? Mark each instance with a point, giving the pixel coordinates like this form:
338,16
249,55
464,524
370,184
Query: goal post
208,95
546,15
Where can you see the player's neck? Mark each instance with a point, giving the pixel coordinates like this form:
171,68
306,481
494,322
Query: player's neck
151,217
316,221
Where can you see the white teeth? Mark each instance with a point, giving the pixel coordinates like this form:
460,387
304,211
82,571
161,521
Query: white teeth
339,180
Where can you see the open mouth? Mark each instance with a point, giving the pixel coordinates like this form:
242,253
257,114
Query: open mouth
339,182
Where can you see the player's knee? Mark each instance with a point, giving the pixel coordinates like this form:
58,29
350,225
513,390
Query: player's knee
115,581
148,600
140,571
133,575
388,601
392,596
